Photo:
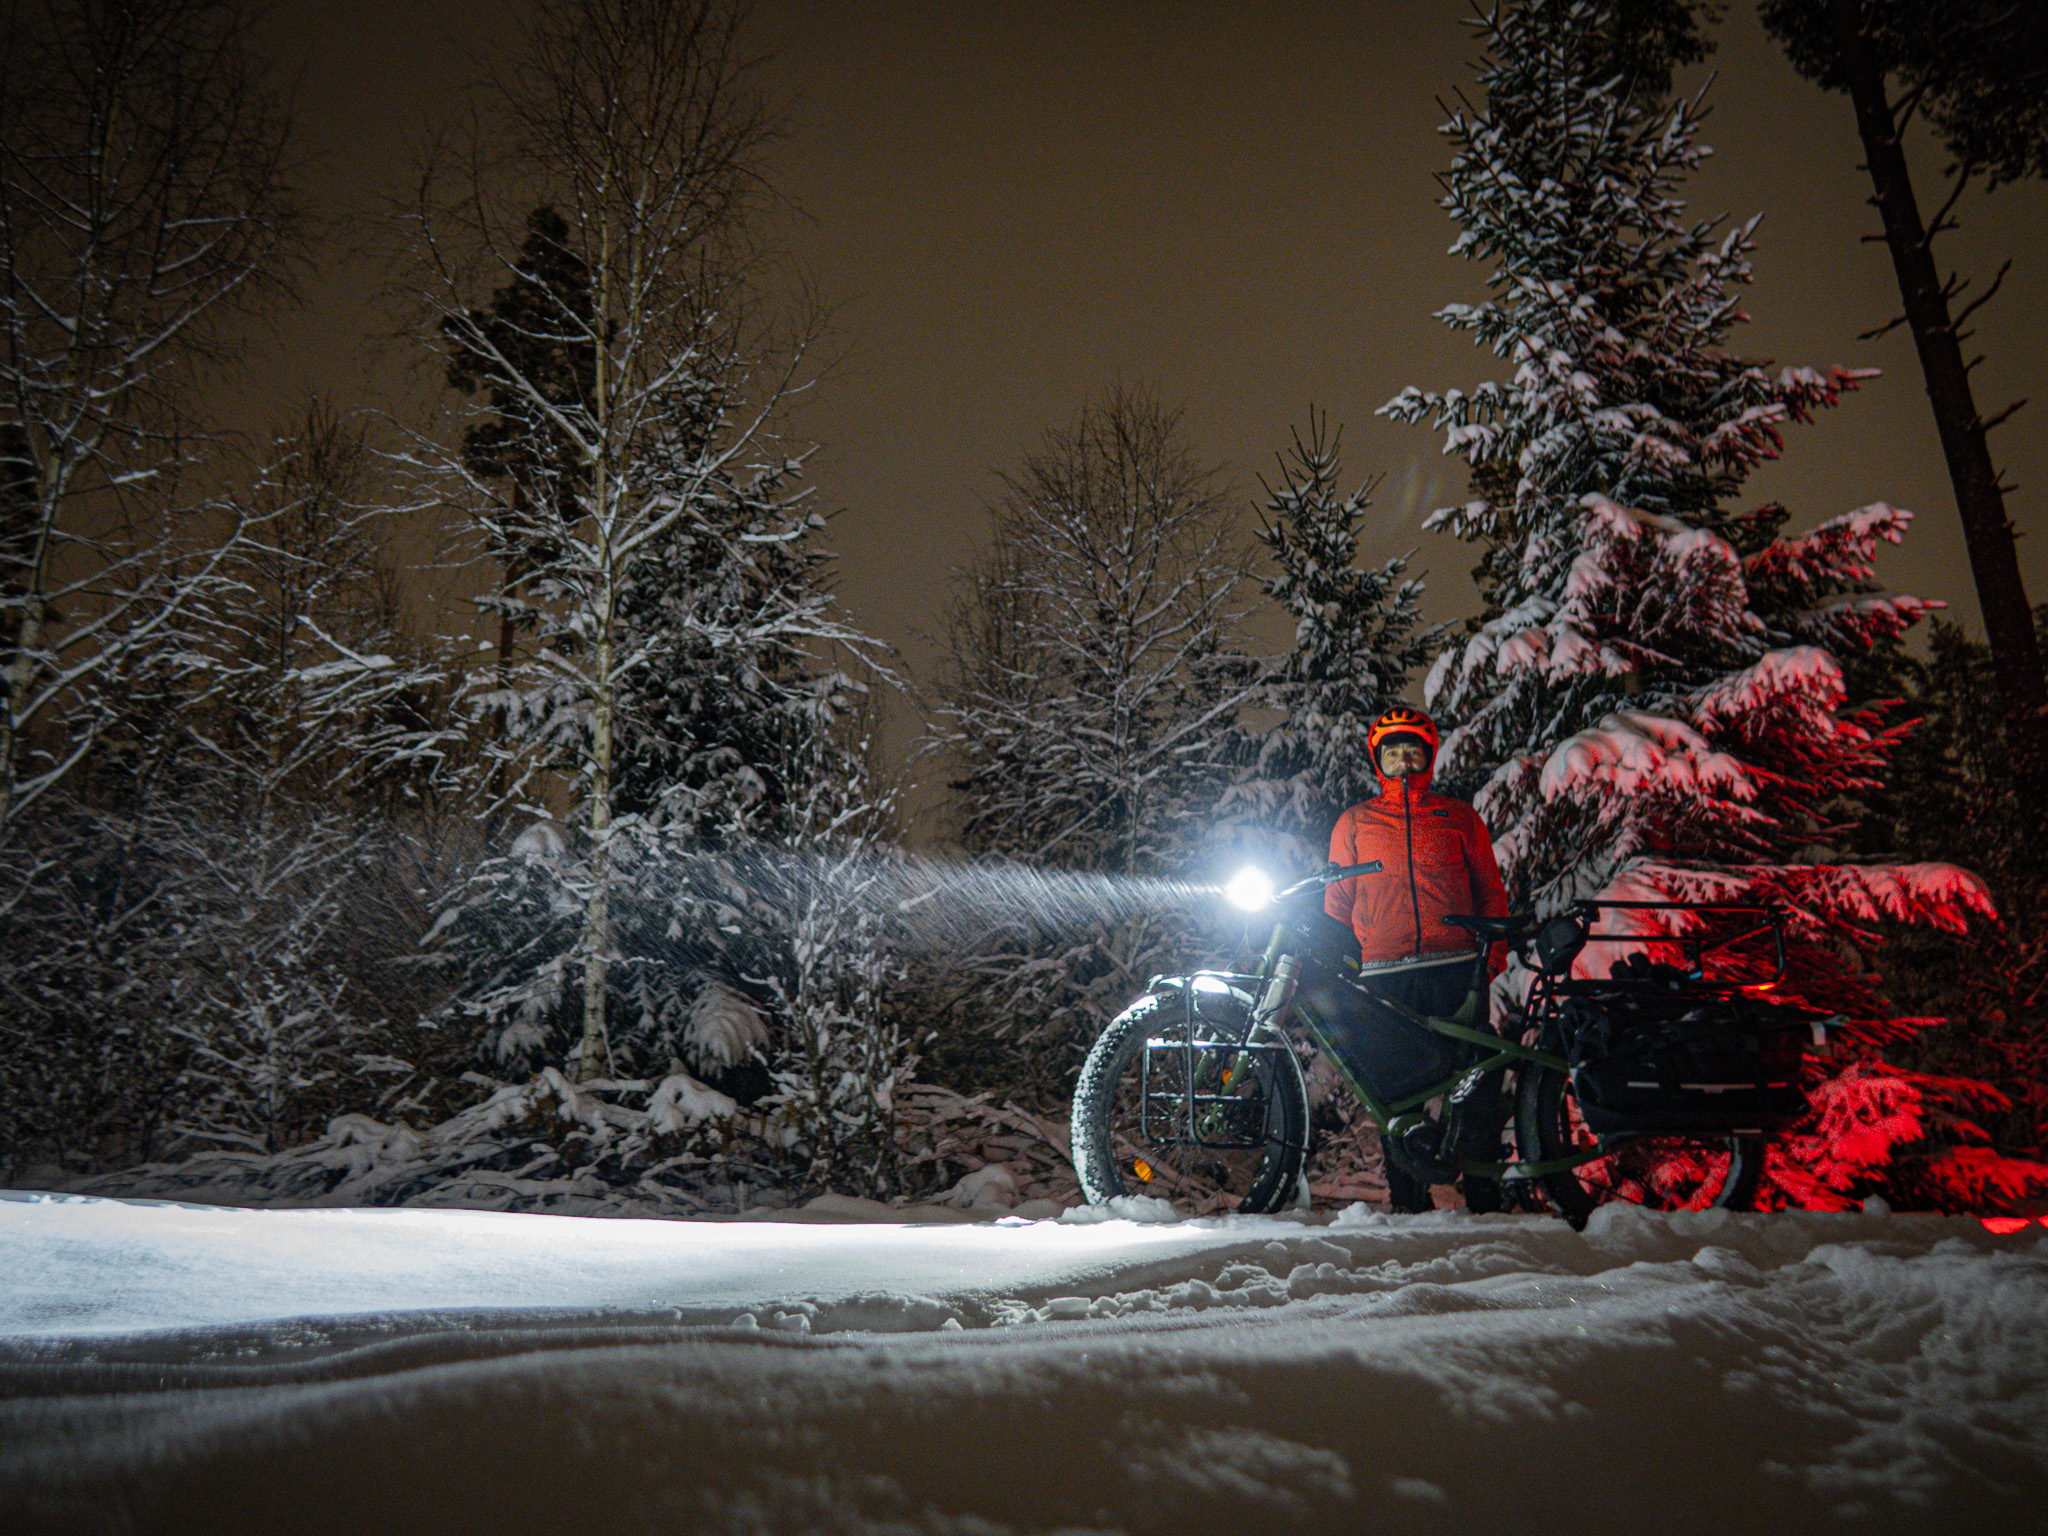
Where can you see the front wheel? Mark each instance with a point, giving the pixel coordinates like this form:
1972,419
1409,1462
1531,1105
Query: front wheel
1190,1114
1665,1173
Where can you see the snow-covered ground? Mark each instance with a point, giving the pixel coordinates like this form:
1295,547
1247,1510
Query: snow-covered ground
184,1368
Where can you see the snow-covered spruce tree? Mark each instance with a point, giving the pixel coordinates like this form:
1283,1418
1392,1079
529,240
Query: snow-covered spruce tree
1356,644
1092,691
1651,705
751,1004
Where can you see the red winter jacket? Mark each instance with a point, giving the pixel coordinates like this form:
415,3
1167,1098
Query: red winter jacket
1399,913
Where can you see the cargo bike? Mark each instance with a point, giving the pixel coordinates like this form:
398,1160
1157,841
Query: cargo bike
1659,1082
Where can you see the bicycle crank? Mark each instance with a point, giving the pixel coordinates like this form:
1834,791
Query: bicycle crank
1415,1143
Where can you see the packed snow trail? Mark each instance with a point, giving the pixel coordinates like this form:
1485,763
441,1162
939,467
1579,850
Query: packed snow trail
176,1368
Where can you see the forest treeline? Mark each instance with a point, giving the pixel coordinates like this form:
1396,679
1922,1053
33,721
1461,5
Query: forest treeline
618,895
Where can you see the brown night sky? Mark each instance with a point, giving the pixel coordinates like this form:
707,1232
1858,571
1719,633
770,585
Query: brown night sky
1010,205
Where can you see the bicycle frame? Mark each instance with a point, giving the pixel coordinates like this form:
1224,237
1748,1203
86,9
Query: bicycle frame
1183,1059
1392,1117
1273,985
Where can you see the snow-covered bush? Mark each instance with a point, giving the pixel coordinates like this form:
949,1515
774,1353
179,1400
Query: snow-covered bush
845,1050
89,1072
507,945
196,917
177,977
762,969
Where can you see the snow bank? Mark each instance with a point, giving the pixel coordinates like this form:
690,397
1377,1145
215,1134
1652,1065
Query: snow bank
177,1368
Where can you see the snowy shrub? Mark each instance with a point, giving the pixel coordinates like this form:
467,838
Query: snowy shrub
509,943
89,975
845,1051
177,978
753,979
198,918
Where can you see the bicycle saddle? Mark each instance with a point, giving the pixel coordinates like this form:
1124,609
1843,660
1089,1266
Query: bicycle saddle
1490,928
1557,944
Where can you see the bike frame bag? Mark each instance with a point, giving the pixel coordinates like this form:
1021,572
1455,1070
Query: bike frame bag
1392,1056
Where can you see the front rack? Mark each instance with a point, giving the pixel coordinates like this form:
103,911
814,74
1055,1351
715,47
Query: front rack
1200,1110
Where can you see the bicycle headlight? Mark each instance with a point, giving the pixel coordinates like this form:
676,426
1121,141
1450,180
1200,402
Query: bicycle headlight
1250,889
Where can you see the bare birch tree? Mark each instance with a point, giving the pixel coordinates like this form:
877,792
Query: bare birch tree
1090,708
636,125
1083,705
142,202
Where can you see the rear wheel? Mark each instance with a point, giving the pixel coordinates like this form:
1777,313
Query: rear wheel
1187,1114
1665,1173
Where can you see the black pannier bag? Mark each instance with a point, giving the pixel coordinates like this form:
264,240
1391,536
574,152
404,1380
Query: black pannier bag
1652,1060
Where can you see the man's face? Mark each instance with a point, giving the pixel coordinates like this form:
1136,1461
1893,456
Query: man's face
1399,759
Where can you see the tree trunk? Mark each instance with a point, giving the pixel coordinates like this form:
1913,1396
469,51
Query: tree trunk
1980,502
19,675
499,786
597,934
597,927
21,665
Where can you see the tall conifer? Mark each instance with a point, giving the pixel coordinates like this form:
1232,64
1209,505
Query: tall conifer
1356,644
1652,704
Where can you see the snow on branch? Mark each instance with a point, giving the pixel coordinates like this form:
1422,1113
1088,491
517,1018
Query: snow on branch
1627,754
1804,677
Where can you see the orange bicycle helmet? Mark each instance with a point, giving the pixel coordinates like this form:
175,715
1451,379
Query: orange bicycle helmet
1402,722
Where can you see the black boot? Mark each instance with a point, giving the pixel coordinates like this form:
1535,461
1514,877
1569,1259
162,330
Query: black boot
1481,1195
1405,1193
1480,1125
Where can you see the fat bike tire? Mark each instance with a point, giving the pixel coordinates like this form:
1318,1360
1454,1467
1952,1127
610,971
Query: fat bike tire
1130,1122
1661,1173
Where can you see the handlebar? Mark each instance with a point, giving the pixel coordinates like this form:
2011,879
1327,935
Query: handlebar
1331,874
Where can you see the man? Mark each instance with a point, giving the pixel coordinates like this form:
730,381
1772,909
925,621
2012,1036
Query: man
1438,861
